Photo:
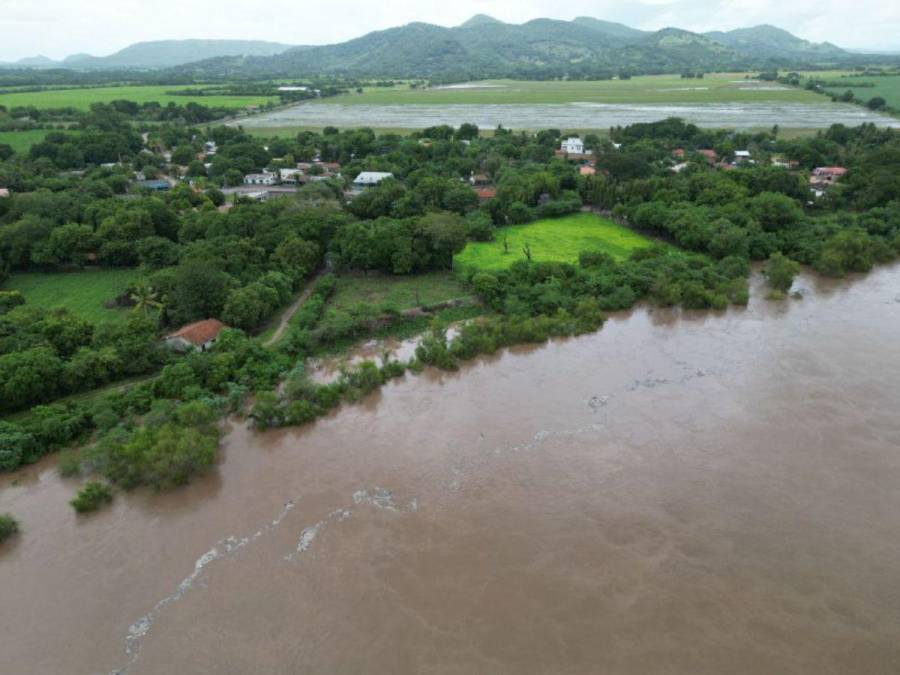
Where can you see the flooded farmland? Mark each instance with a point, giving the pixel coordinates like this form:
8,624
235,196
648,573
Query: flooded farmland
569,115
679,492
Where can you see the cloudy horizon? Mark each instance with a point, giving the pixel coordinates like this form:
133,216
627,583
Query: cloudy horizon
57,29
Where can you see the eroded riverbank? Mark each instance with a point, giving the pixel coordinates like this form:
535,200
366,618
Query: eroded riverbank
696,493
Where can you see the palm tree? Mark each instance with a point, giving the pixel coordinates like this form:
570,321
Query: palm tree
145,299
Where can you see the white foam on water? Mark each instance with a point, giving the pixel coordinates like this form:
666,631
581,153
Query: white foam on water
223,548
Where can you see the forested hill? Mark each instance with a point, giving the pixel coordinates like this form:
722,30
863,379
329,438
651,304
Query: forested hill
485,47
160,54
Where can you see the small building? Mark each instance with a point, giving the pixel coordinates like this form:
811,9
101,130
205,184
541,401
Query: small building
290,175
742,156
156,185
4,192
678,153
678,168
827,175
479,179
587,171
210,147
486,193
200,335
369,178
265,178
256,195
710,155
573,146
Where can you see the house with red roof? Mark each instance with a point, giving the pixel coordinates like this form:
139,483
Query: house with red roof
200,335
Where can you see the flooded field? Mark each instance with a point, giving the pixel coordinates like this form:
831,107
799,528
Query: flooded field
679,493
569,115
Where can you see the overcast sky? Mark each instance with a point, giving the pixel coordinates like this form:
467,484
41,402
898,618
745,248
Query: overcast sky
57,28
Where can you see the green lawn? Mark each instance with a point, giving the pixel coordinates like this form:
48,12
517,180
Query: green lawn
713,88
82,98
83,293
21,141
556,239
396,292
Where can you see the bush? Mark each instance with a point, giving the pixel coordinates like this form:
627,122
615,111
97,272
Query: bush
780,272
8,526
91,497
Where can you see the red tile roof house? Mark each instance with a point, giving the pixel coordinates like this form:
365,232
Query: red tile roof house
826,175
199,335
710,155
486,193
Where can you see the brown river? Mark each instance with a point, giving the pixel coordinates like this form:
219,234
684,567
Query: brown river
677,493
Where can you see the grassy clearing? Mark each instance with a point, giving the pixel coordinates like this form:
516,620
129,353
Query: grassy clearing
82,98
395,292
21,141
713,88
887,87
556,239
82,293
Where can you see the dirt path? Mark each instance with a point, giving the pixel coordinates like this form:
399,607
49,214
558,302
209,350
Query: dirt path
289,312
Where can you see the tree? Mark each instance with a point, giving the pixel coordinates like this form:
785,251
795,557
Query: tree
199,292
876,103
91,497
145,299
8,526
780,272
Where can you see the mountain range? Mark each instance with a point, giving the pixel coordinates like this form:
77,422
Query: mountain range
481,47
159,54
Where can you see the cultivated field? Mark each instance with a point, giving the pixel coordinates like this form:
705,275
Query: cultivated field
82,98
82,293
395,292
713,88
556,239
887,87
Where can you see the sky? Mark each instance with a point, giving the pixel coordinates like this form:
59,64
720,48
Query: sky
57,28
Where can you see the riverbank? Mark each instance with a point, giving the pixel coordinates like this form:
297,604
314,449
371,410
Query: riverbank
680,489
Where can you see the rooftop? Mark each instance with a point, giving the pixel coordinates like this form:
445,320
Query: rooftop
199,332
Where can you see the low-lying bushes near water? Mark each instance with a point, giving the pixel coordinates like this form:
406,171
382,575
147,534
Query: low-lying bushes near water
91,497
8,526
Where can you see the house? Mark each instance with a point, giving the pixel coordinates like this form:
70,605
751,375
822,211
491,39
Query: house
210,147
587,171
200,335
678,153
265,178
486,193
826,175
573,146
4,192
678,168
289,175
157,185
257,196
710,155
742,156
369,178
479,179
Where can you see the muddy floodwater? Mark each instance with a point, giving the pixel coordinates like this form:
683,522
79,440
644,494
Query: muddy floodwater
701,493
569,115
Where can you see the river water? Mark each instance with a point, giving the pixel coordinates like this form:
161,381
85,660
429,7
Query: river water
569,115
678,493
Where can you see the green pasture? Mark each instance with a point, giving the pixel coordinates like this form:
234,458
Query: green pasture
551,240
83,97
395,292
82,293
886,86
713,88
21,141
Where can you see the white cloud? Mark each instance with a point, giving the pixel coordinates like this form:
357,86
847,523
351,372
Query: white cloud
57,28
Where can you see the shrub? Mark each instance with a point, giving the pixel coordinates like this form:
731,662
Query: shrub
91,497
8,526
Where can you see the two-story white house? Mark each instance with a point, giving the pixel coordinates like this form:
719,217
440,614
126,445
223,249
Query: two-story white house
574,146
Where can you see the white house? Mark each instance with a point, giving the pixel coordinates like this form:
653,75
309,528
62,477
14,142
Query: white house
573,146
368,178
741,155
260,179
289,175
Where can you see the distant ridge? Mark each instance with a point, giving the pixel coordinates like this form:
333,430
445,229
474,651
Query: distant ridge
482,47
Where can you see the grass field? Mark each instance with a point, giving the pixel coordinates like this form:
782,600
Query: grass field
21,141
396,292
83,293
713,88
887,87
556,239
83,98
